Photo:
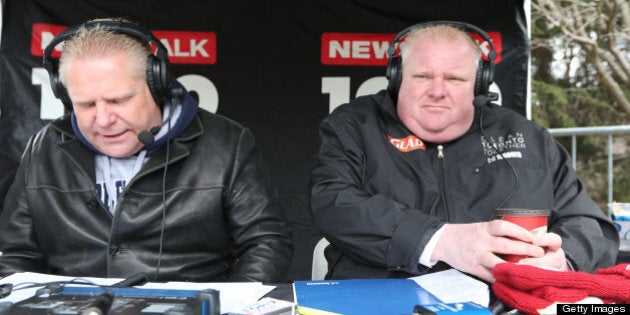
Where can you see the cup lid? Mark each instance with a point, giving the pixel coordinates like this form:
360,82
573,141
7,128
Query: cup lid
521,212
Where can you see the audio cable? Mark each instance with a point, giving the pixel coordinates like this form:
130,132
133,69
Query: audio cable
499,152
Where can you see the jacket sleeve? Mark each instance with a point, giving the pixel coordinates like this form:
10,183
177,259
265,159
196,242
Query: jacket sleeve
262,239
8,168
371,228
589,238
20,251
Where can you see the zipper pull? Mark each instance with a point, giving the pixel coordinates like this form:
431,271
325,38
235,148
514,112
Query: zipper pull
440,152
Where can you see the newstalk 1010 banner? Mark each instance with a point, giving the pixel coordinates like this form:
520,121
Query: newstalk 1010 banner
276,66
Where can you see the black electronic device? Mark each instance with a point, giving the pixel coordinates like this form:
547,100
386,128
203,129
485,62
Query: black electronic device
157,64
125,301
485,70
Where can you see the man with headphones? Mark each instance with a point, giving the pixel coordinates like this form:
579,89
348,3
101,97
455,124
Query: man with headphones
137,179
408,178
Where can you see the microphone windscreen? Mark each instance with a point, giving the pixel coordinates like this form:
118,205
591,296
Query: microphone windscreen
480,100
146,137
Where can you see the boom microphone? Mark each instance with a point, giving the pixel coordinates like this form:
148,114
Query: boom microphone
147,137
479,101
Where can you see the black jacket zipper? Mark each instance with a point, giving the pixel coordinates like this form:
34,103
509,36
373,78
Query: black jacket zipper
440,157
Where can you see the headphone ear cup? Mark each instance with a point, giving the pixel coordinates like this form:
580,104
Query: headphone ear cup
481,83
60,91
154,80
394,75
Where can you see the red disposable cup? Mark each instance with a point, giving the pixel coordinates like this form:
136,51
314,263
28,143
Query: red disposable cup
534,220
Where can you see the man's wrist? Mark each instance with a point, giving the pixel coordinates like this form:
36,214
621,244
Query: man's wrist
425,257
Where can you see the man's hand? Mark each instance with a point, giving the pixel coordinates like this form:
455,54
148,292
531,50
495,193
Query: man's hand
473,247
554,255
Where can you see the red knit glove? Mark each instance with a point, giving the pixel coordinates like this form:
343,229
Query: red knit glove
611,284
622,270
533,299
560,294
530,303
530,289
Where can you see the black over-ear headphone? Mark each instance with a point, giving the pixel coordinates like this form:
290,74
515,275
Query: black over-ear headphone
157,64
485,71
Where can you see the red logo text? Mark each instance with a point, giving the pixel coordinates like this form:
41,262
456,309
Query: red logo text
407,144
355,49
183,47
370,49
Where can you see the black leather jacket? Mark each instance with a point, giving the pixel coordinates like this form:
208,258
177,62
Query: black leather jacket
222,220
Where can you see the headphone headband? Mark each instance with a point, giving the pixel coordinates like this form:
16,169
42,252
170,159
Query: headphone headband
485,71
157,64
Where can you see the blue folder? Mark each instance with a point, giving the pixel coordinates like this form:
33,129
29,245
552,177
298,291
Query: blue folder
361,296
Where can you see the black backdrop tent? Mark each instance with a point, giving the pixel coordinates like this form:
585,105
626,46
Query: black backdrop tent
276,66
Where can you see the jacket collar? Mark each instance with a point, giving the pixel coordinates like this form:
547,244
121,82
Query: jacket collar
74,149
388,105
176,149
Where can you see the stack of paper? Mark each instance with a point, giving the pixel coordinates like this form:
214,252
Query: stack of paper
453,286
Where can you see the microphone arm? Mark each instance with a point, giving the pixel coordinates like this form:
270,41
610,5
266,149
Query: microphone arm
481,100
147,137
137,279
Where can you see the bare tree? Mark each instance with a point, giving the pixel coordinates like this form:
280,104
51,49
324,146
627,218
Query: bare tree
599,31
